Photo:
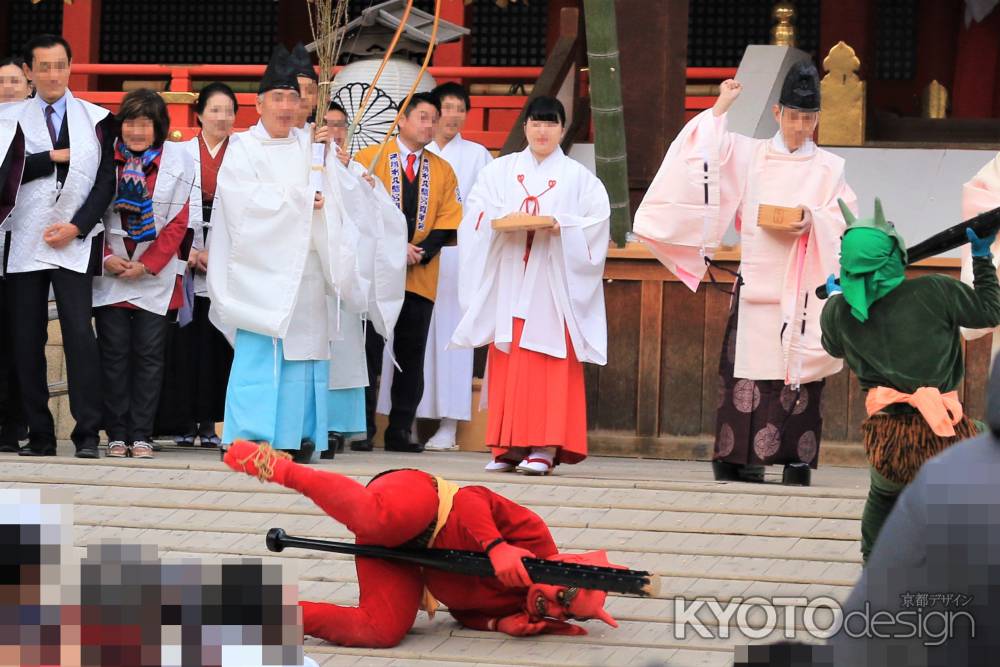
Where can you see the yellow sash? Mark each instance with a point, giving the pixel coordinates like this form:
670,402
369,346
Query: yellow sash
446,497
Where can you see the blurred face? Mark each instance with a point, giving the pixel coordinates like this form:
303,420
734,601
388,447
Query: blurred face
453,113
138,133
543,136
218,118
310,90
13,84
49,71
797,127
417,129
337,122
279,109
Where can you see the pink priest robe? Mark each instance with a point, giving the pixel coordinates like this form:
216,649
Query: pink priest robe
711,177
980,194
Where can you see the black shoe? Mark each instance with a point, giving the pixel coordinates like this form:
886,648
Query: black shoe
797,474
725,472
305,452
365,445
87,453
9,447
754,474
334,444
28,450
398,440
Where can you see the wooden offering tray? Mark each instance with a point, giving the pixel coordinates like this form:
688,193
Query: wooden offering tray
778,218
515,222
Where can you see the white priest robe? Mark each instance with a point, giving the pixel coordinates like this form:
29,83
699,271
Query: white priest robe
561,287
711,177
981,194
273,262
384,241
273,258
447,372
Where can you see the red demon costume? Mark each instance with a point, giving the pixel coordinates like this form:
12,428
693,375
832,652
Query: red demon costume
415,509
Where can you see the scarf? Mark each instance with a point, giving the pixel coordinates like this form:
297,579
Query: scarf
871,266
134,202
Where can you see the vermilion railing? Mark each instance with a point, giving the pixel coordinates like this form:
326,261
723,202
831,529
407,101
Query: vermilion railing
489,121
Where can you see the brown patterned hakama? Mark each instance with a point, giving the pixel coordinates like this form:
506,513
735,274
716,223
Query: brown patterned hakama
764,422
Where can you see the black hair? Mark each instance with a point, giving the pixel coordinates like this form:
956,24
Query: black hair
145,103
335,106
422,98
16,61
44,41
214,88
547,109
452,89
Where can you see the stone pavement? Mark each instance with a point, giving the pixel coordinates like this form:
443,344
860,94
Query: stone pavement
705,538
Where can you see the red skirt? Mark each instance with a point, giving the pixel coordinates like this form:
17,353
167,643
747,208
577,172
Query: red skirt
535,400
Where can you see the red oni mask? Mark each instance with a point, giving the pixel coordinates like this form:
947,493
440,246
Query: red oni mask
565,603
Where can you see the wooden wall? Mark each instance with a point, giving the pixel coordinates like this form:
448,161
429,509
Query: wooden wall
659,391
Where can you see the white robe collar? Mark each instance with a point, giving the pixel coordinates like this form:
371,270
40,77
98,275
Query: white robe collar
778,146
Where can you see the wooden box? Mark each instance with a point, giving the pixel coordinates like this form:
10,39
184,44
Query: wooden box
515,222
778,218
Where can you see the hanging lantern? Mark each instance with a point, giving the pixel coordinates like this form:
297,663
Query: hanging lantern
351,84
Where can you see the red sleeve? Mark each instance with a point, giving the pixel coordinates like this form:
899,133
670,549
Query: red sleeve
164,249
486,516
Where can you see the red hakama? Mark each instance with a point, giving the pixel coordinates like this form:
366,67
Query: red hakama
535,400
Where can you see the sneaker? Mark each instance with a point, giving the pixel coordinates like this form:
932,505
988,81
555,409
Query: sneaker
499,466
117,449
142,450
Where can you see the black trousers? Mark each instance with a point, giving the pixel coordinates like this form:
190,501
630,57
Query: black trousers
29,311
13,426
132,344
409,345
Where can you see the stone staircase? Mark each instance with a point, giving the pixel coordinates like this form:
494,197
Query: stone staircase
723,540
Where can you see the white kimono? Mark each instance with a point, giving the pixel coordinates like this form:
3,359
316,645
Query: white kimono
170,194
385,247
11,145
274,259
979,195
447,373
711,177
41,203
562,285
201,239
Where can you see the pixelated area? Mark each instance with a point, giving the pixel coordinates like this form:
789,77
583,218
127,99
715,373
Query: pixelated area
123,606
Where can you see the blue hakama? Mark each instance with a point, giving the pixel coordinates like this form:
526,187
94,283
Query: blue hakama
272,399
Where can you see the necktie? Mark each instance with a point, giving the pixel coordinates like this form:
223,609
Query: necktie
49,112
411,173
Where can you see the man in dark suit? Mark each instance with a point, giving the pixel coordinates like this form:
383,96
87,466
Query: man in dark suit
55,241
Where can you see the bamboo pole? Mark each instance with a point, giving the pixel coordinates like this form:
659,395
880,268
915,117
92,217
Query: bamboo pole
606,109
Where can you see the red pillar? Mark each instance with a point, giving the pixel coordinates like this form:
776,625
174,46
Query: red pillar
453,54
82,29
